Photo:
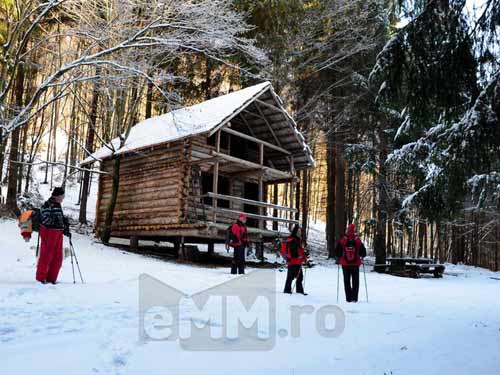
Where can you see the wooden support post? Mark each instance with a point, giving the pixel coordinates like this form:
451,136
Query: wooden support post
297,198
260,251
215,186
228,143
261,184
265,199
211,248
177,246
275,202
182,249
134,243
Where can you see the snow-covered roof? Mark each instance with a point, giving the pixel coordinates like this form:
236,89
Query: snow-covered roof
197,119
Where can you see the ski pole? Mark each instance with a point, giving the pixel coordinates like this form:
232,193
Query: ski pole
76,259
304,281
72,264
366,286
295,280
338,281
38,244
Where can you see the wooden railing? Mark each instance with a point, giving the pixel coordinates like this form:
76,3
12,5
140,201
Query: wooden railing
211,211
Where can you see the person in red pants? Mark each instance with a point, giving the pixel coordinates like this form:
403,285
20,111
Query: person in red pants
53,225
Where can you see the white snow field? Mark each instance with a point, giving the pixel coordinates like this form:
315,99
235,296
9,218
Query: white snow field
426,326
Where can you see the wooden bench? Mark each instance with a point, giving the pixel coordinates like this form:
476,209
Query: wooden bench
411,267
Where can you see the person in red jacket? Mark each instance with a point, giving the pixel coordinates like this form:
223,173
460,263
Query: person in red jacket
239,242
350,251
295,255
53,225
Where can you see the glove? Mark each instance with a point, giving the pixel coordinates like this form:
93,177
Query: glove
67,232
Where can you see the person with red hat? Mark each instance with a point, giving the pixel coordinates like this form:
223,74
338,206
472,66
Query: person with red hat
292,249
239,242
350,251
53,225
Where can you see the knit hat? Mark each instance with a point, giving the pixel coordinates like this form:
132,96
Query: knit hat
351,230
58,191
242,217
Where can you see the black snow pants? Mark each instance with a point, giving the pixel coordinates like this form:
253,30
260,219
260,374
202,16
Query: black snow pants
294,271
351,290
238,260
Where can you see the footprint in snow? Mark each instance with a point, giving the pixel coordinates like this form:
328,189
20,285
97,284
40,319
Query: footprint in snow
22,291
4,331
120,358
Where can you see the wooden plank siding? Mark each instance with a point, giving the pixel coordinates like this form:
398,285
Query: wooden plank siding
151,194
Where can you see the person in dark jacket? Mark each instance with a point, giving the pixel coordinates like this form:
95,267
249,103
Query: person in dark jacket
350,251
53,225
239,242
295,256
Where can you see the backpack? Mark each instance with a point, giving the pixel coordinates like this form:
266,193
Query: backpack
29,221
230,237
350,252
284,250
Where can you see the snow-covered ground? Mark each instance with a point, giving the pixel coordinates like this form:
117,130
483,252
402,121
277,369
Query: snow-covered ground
426,326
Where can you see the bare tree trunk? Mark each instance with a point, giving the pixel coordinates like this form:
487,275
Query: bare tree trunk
207,83
47,156
3,143
426,245
433,241
379,245
55,118
11,201
421,233
340,198
70,139
120,119
89,145
23,153
496,248
330,206
149,99
305,201
108,221
389,241
350,196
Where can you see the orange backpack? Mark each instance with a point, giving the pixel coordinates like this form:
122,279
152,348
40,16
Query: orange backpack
29,221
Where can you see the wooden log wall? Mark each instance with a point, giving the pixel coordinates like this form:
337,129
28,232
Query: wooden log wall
184,186
151,193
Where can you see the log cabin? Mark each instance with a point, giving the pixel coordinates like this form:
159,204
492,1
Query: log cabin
186,175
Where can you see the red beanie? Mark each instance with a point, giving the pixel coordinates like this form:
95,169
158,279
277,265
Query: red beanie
351,230
242,216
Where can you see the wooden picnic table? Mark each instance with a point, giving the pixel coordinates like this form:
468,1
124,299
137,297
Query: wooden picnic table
411,267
